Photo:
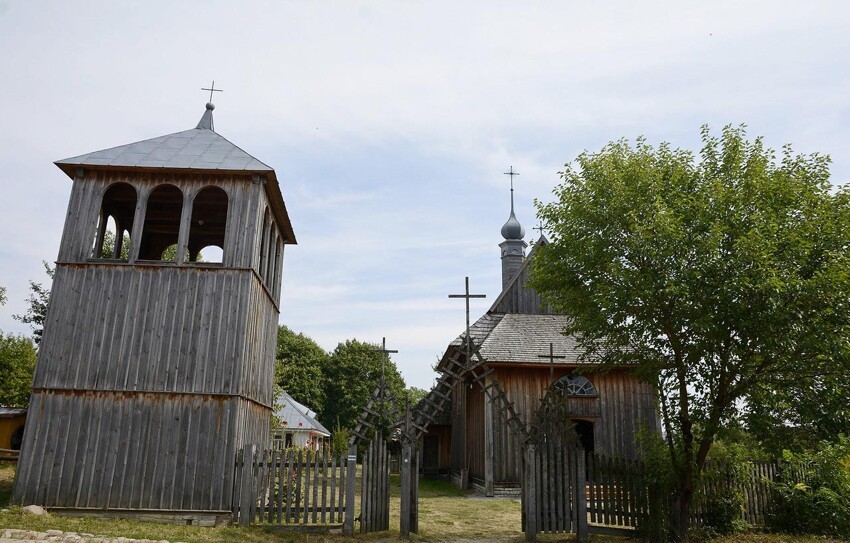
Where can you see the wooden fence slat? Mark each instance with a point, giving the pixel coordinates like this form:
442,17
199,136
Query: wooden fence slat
298,499
290,483
324,485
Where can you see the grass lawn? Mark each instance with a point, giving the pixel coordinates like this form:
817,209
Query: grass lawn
445,514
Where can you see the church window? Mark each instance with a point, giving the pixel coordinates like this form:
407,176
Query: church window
117,210
575,385
264,233
209,222
162,224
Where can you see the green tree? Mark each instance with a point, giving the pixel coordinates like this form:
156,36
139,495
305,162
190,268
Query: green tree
415,394
17,364
800,415
2,295
299,366
39,300
352,373
712,278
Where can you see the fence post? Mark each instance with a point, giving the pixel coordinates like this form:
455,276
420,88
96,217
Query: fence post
581,497
530,504
406,490
247,503
350,489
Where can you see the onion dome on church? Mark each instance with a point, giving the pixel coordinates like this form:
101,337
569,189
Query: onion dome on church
513,230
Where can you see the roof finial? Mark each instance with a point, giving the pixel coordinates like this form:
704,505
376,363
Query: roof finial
212,89
206,122
512,173
512,229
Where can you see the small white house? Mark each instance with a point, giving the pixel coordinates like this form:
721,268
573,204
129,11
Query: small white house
299,428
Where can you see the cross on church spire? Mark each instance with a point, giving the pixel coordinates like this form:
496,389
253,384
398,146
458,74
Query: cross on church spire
212,89
539,227
512,173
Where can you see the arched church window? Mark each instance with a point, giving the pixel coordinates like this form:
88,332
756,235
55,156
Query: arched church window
117,210
209,222
575,385
264,233
162,223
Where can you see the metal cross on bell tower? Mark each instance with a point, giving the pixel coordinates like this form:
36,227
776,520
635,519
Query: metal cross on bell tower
212,89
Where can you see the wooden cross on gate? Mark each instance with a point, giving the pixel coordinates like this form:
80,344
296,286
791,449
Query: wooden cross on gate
385,355
551,356
467,295
212,89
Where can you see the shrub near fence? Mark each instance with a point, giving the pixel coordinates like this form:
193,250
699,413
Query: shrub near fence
623,494
293,486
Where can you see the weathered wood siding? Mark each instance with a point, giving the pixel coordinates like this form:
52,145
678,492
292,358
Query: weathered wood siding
518,299
622,405
158,328
123,450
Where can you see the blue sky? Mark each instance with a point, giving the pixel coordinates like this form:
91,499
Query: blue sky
390,123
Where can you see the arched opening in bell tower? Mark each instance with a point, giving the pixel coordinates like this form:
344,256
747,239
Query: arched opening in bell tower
162,223
117,210
209,223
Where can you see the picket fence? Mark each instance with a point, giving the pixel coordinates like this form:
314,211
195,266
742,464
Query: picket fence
289,487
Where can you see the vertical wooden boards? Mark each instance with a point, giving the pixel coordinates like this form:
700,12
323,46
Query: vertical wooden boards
350,490
375,495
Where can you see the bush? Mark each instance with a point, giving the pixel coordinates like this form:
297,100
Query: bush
813,495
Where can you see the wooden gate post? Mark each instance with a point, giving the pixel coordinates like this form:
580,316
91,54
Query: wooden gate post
248,500
350,489
406,489
530,492
414,487
581,497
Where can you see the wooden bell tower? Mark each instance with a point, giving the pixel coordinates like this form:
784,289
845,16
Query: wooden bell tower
155,366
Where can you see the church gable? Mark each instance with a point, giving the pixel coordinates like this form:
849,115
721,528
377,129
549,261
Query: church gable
519,298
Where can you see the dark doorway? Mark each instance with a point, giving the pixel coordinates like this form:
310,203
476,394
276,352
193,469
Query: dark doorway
431,456
584,429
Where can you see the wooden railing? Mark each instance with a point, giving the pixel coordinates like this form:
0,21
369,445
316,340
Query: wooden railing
9,455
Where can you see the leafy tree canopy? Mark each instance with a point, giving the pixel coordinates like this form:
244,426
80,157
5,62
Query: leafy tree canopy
352,373
299,366
2,295
39,300
714,278
17,364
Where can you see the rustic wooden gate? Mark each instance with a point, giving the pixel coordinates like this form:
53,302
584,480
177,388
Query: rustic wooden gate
289,487
375,482
375,493
553,489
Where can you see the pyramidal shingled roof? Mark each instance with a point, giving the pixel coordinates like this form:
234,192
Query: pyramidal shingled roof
200,148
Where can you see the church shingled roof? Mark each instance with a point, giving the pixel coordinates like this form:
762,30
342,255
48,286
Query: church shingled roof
519,338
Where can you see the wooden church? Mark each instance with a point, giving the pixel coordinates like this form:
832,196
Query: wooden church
514,336
156,367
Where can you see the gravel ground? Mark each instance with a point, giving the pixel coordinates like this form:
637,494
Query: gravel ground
19,536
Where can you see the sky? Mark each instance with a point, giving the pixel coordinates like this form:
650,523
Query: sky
390,124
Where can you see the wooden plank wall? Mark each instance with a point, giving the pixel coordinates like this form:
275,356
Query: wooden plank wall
115,450
622,404
518,299
158,328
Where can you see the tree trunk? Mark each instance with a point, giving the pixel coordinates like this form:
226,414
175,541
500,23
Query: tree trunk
680,510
